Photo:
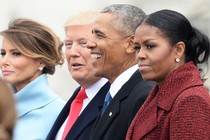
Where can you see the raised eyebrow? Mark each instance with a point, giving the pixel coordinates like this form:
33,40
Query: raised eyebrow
96,31
66,41
12,50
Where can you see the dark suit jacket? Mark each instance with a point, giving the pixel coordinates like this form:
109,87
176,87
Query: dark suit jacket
116,119
83,125
177,110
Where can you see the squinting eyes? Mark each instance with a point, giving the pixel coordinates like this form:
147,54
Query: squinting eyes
68,45
150,46
82,44
99,36
14,54
137,48
2,53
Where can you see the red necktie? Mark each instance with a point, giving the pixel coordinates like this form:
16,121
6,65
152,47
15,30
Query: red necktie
75,109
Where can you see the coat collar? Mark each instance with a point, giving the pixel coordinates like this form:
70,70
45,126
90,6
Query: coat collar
182,78
34,95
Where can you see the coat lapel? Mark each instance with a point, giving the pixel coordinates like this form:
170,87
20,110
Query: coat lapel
148,115
113,109
89,114
108,116
62,117
149,124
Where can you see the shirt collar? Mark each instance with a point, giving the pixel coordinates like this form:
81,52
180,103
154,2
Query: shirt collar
93,90
121,80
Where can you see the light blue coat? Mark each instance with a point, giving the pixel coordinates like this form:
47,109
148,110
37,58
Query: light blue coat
37,108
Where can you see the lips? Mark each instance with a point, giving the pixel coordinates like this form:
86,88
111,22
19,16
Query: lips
76,64
6,72
143,67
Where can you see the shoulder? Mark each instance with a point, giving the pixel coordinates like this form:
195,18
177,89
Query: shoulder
192,100
194,94
143,88
55,105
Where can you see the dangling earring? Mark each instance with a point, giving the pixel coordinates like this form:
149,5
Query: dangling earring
40,68
177,60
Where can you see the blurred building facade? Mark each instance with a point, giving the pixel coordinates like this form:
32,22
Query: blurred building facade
55,12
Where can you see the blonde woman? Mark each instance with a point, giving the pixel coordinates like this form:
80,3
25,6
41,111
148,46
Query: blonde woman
29,52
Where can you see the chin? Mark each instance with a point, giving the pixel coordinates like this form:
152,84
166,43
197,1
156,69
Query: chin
97,74
147,78
11,82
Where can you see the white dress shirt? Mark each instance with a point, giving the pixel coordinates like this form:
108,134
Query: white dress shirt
121,80
91,92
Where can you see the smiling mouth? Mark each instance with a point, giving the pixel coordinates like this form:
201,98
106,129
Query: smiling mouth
76,65
96,56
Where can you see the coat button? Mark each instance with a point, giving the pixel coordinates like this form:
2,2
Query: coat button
110,114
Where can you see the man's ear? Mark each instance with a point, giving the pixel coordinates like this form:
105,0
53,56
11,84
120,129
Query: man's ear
129,47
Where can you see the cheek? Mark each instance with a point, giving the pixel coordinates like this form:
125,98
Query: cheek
67,54
20,65
29,65
86,58
159,60
162,65
0,63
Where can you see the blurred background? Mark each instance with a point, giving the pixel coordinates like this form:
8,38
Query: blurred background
54,13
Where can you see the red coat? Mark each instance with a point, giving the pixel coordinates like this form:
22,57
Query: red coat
179,109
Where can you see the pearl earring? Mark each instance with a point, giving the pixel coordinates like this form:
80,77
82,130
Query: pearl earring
40,68
177,60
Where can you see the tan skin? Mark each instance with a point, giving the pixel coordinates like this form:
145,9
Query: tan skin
156,57
78,55
112,53
18,69
7,112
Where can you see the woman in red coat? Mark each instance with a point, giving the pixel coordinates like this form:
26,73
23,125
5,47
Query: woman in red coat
168,51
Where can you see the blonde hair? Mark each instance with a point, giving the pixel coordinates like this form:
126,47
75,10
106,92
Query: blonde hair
85,17
37,41
7,112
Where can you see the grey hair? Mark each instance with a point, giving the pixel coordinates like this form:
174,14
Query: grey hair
127,19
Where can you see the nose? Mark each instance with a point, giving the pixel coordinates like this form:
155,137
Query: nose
141,54
74,50
91,44
4,60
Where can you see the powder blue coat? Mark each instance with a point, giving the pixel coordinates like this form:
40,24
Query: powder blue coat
37,108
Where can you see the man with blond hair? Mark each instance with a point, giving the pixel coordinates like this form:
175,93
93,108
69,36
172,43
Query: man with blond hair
76,119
